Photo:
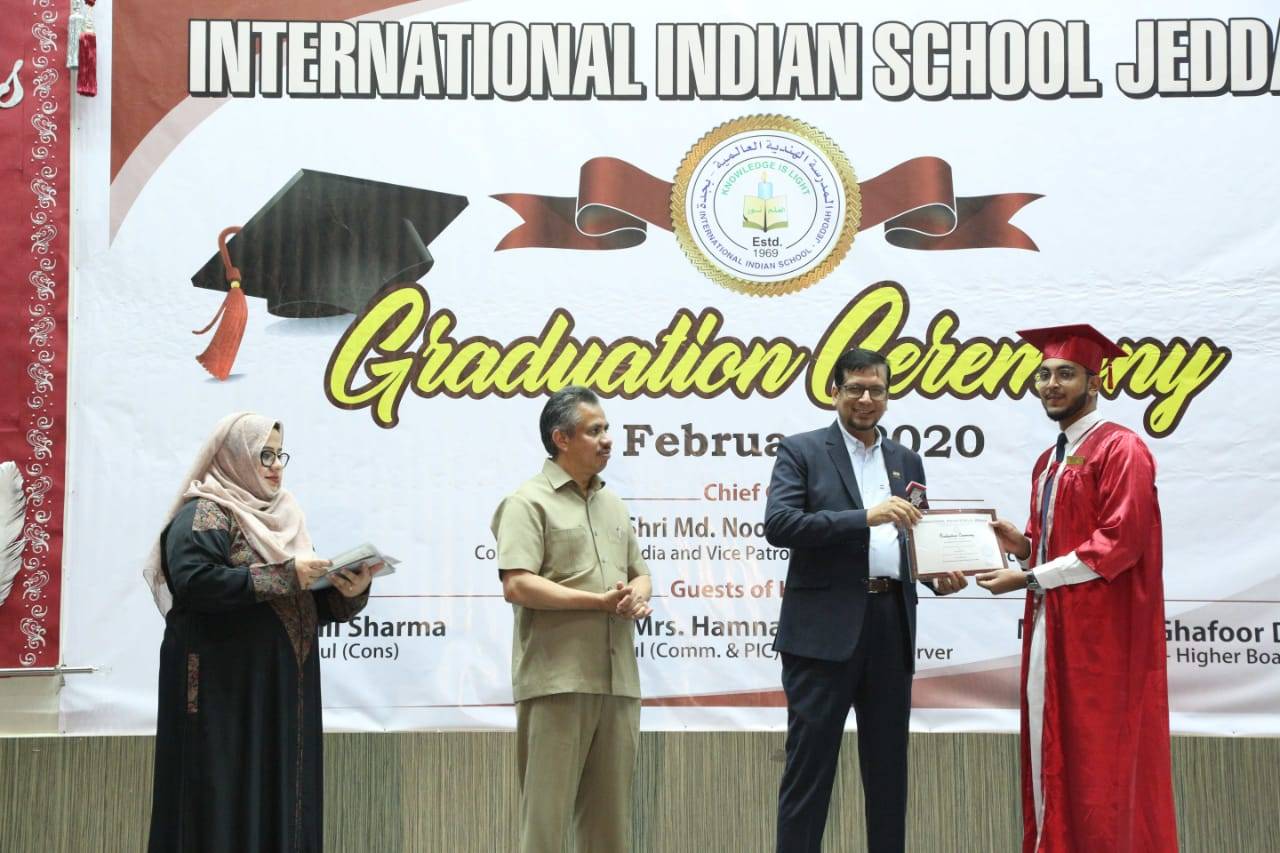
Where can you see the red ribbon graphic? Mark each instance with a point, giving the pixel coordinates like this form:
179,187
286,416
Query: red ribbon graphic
617,201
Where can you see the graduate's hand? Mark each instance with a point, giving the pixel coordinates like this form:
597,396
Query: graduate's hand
1011,539
949,583
353,582
309,570
1001,581
893,511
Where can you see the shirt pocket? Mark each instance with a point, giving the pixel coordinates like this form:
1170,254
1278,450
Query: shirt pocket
567,553
615,548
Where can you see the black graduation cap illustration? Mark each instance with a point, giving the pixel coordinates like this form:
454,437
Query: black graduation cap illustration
324,245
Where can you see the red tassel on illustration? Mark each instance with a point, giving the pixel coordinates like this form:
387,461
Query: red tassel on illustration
220,355
87,76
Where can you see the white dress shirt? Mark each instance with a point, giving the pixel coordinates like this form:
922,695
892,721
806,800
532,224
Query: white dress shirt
1069,568
884,557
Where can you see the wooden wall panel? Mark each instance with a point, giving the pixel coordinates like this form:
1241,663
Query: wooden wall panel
696,792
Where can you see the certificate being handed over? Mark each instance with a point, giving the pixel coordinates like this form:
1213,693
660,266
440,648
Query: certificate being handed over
954,540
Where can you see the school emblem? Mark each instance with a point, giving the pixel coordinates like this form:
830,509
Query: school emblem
765,205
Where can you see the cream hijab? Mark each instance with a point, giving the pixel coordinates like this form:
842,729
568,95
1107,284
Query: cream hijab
227,472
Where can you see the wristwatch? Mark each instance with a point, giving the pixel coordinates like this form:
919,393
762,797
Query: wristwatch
1033,583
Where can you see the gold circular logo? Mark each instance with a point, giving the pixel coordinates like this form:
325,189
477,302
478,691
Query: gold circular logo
765,205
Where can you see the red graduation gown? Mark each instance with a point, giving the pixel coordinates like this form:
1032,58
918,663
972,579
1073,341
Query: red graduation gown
1105,742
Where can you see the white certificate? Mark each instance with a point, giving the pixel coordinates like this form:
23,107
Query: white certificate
954,540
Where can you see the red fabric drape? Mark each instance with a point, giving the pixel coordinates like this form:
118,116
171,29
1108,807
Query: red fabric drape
35,129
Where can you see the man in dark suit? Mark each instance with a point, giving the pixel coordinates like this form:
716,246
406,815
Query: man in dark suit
838,500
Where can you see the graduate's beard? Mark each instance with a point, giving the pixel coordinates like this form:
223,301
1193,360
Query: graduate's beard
1073,408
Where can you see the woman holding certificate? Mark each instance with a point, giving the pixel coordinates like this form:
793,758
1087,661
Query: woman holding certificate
238,762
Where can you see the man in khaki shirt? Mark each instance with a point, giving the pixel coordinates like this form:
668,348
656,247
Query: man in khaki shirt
571,567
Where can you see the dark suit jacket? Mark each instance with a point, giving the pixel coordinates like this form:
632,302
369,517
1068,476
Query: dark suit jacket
815,509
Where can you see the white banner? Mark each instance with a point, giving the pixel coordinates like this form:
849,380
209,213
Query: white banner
694,220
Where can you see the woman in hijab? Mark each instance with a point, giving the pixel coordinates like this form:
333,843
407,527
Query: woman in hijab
238,763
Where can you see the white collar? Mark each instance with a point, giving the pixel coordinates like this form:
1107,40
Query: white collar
1076,431
854,443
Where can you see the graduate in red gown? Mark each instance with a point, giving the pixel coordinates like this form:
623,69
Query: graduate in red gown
1095,708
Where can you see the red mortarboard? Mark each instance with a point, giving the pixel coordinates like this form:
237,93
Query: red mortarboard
1080,343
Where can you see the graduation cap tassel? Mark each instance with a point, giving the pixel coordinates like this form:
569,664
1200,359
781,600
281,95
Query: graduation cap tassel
234,313
87,75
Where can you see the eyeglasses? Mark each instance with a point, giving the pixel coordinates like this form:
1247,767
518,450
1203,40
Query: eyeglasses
1064,374
877,392
269,457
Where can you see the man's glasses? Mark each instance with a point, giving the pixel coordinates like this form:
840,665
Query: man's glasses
1063,374
877,392
269,457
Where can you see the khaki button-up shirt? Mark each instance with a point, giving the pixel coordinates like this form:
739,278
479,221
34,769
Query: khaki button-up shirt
549,527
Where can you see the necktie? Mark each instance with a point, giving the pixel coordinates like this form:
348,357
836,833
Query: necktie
1058,454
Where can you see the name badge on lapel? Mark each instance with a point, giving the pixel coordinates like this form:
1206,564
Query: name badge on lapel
1075,460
